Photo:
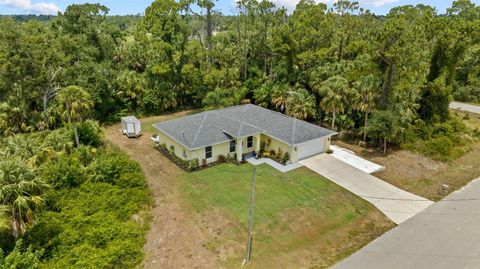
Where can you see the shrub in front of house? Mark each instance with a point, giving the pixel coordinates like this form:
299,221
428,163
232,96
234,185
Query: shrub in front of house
191,164
221,159
279,155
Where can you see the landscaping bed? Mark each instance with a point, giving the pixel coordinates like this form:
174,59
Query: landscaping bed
193,165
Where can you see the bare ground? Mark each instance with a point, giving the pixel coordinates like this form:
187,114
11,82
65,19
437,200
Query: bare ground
175,239
421,175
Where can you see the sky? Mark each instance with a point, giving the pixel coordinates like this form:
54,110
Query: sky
127,7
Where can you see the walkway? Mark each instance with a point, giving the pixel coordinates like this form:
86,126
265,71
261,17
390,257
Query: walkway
280,167
444,236
349,157
465,107
396,204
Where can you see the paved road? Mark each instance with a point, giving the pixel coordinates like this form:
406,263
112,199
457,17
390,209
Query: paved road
445,236
465,107
396,204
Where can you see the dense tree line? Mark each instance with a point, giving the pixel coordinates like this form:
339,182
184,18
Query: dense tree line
333,65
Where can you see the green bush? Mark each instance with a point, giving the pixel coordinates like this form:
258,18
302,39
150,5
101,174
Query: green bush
441,141
59,140
64,172
440,148
116,169
90,133
94,229
85,154
192,164
20,258
94,217
470,93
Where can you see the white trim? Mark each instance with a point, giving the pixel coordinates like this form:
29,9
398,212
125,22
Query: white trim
326,136
276,138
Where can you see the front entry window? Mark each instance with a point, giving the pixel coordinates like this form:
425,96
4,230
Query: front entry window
250,142
208,152
232,146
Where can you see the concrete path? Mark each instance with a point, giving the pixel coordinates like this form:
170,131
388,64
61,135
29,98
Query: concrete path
444,236
280,167
396,204
349,157
465,107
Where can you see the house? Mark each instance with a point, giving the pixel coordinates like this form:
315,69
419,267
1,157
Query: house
240,131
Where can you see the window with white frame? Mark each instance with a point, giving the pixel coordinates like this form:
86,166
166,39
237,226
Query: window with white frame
232,146
250,142
208,152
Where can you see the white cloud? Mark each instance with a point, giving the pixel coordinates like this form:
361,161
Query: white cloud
27,5
378,3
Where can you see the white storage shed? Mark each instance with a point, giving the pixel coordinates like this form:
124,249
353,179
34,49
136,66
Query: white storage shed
131,126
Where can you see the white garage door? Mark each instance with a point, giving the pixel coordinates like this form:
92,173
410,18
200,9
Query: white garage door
311,148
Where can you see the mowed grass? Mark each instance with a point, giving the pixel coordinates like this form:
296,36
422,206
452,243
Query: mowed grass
301,220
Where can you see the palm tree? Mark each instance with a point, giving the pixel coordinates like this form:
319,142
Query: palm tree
131,86
263,94
73,104
217,99
365,95
280,95
334,91
384,125
21,194
301,105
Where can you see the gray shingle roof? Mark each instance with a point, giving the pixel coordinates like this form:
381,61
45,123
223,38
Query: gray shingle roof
218,126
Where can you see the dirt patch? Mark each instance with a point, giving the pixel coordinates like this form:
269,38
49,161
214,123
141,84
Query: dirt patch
175,239
400,164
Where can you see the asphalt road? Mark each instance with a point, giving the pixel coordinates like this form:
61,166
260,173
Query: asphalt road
444,236
465,107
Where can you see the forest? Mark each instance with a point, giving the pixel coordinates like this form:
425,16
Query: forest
385,80
335,66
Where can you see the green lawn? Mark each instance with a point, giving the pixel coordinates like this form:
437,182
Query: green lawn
298,215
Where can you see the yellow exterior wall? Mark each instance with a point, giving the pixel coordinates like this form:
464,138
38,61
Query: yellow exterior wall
328,142
241,148
272,143
165,139
217,150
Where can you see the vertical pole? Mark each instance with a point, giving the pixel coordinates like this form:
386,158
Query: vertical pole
250,224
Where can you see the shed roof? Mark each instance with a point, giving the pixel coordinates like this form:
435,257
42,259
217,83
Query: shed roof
218,126
130,119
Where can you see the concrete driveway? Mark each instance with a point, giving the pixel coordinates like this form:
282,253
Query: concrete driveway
465,107
444,236
396,204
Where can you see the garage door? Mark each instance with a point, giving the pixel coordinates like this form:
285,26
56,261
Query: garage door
311,148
